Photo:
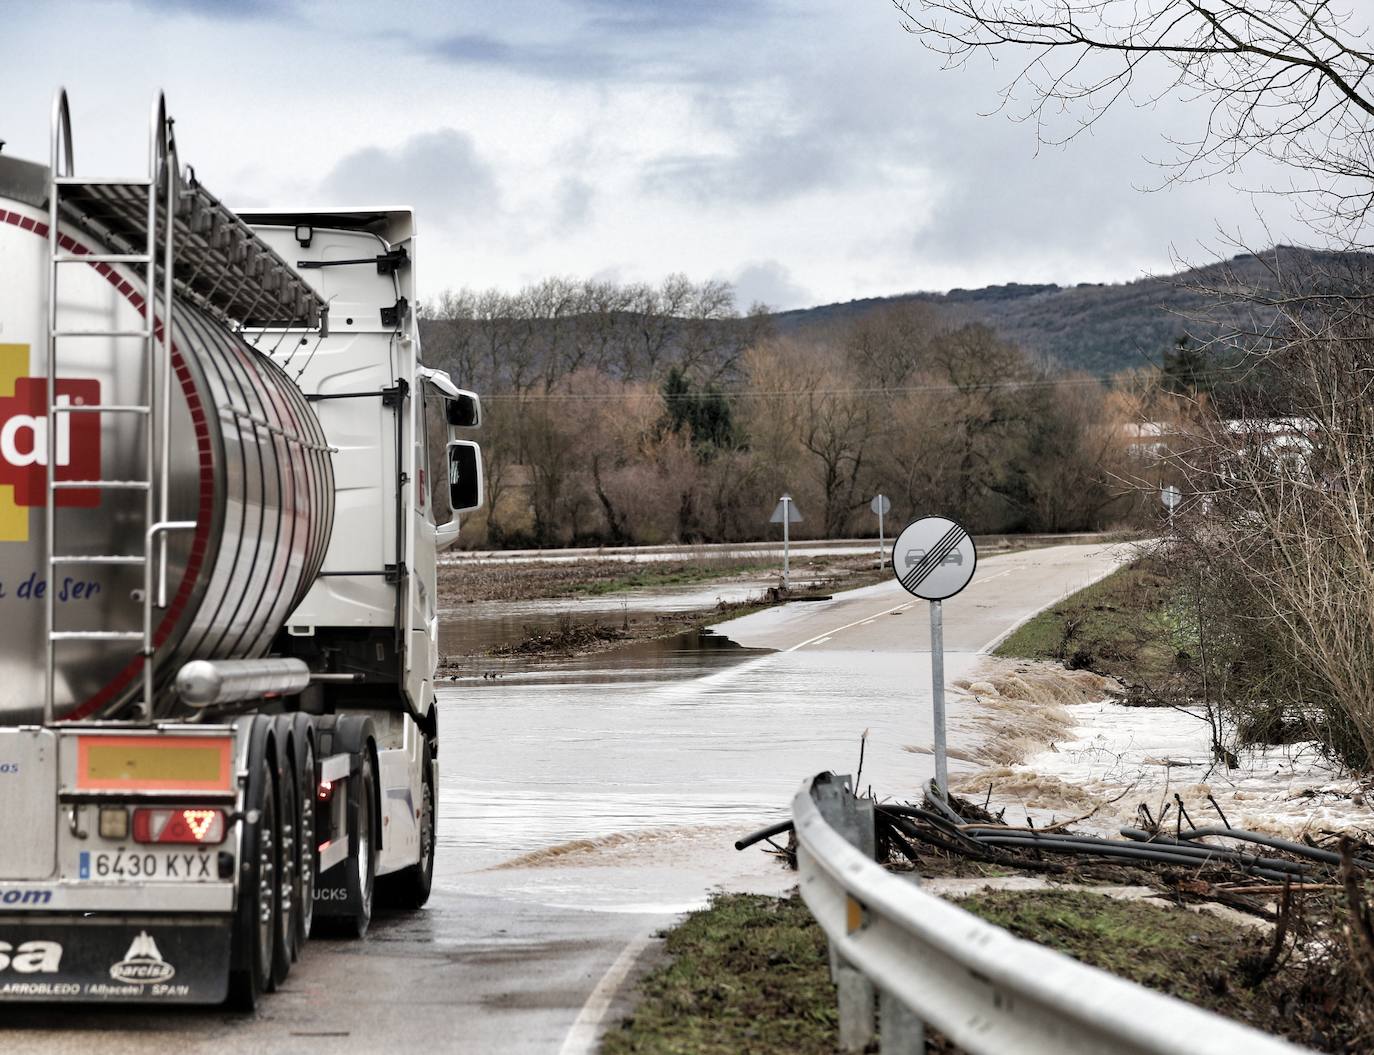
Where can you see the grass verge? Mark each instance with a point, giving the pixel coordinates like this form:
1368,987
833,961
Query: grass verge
747,974
1123,625
750,973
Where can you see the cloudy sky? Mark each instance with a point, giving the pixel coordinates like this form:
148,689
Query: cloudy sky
806,150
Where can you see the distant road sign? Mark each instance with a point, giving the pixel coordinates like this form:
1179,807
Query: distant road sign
1171,496
881,505
786,508
934,558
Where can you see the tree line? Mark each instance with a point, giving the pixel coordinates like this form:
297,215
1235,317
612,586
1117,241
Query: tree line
631,413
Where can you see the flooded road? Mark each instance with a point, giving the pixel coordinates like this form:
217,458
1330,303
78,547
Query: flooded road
585,803
653,759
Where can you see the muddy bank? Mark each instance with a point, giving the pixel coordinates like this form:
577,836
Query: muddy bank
570,637
462,584
493,611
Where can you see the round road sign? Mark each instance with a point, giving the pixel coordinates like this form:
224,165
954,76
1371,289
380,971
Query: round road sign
934,558
880,505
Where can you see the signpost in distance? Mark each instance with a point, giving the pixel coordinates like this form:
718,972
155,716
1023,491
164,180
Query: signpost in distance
881,505
785,514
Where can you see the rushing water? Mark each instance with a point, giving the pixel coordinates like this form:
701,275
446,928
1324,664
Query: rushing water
623,778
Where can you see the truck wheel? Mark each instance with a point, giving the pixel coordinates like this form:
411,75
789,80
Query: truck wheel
307,852
259,897
285,921
362,850
409,888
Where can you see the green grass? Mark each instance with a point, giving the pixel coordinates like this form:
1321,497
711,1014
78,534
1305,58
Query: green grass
1126,625
750,973
747,974
1173,950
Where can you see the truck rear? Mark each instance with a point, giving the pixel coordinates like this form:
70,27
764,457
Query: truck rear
224,477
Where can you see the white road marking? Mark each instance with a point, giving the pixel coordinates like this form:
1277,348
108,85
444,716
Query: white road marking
831,633
827,635
581,1039
989,578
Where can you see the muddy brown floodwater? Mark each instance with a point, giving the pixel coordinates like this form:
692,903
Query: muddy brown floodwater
622,780
662,753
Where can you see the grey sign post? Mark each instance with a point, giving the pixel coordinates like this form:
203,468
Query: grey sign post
785,514
880,505
1171,496
934,558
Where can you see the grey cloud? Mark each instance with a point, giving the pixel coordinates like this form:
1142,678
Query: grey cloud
572,203
768,282
606,40
226,9
1004,203
829,119
655,16
560,61
764,167
439,172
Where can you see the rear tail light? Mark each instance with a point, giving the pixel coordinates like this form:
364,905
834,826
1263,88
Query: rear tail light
326,791
204,827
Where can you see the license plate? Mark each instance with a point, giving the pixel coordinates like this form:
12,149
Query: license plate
146,864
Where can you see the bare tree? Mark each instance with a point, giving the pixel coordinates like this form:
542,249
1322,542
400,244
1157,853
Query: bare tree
1277,535
838,431
1290,79
888,346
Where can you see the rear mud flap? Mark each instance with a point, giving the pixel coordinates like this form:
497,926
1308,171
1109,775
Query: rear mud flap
337,892
133,959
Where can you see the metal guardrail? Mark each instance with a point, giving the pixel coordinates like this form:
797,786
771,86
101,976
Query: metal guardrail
926,960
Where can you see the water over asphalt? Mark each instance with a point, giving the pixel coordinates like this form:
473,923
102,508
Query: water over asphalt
582,804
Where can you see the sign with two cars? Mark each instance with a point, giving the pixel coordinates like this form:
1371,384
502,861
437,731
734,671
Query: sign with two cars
934,558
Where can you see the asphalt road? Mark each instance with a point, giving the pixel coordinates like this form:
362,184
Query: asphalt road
582,810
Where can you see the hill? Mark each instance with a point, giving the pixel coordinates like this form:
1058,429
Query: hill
1103,328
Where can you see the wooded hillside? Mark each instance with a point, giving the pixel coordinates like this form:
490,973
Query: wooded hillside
1100,329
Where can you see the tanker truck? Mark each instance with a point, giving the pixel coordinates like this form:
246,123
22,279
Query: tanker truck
224,476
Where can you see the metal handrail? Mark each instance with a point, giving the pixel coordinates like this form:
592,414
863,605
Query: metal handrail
161,166
60,164
983,988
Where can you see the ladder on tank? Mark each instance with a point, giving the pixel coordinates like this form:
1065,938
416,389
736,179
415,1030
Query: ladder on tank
153,411
207,256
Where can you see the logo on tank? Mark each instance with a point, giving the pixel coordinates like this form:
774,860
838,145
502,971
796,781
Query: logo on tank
25,446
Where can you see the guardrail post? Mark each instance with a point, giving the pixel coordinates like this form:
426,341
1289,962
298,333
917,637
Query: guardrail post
853,818
900,1031
857,1011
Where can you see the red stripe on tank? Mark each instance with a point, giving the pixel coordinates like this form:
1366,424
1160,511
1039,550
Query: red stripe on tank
200,543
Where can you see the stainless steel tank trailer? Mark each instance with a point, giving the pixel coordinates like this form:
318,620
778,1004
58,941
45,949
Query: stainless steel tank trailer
225,474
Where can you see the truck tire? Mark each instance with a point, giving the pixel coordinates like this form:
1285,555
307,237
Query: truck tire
348,887
259,902
362,848
307,851
288,813
409,888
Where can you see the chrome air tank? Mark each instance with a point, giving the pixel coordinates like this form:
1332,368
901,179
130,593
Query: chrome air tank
247,463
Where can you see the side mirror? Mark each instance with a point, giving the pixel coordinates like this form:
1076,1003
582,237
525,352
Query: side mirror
445,535
464,476
464,411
